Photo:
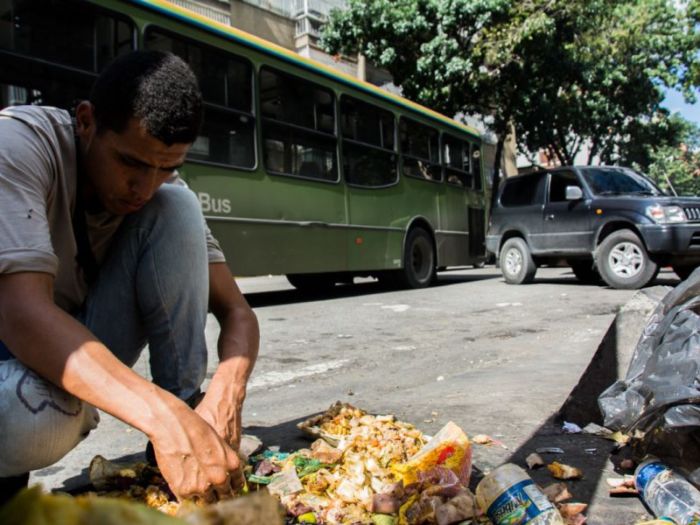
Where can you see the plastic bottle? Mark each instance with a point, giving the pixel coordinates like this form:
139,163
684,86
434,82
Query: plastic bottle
667,494
508,495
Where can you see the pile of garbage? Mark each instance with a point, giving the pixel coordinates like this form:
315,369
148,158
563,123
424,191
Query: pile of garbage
371,469
361,469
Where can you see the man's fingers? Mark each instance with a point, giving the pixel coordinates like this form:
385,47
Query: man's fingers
237,480
224,491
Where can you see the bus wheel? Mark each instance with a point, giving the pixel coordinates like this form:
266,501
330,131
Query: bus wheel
311,282
418,260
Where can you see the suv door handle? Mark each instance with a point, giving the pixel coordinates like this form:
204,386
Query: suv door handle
549,217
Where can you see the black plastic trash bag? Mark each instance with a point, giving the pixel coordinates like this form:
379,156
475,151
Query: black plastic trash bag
661,390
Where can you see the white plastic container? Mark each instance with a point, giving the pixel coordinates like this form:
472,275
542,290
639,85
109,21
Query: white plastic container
508,495
667,494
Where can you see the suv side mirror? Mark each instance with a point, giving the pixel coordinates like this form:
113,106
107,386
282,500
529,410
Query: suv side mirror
573,193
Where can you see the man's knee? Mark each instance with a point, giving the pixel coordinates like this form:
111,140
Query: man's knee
176,206
39,422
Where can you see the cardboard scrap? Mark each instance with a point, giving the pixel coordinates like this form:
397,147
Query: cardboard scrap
563,471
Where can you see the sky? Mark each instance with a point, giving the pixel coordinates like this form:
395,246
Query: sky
674,102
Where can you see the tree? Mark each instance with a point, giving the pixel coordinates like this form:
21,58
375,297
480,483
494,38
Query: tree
676,167
564,73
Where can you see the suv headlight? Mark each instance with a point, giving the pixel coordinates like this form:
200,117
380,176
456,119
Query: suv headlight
666,214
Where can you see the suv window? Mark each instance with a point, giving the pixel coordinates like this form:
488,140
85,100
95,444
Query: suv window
525,190
558,183
613,181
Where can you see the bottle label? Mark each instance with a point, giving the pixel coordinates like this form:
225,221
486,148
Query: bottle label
520,504
647,473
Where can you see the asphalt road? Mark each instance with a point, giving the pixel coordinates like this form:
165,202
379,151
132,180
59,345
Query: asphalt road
494,358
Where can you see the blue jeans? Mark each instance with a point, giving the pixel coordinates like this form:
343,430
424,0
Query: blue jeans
152,287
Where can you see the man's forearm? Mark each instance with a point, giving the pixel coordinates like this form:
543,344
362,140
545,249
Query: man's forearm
240,334
192,456
63,351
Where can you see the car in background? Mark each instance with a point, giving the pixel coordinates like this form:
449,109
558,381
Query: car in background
608,223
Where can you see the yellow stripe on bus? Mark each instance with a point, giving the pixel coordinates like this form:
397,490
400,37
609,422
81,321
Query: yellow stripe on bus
271,47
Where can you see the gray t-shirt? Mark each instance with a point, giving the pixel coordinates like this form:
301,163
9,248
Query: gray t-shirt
37,198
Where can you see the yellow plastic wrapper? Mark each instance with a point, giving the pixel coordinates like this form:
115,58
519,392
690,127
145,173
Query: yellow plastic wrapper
33,507
449,448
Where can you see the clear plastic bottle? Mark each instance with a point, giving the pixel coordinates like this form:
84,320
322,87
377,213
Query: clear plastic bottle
668,494
508,495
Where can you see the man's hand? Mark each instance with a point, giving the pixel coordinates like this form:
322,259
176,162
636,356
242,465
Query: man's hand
223,413
195,461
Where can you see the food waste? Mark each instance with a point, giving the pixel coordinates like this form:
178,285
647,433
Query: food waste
362,469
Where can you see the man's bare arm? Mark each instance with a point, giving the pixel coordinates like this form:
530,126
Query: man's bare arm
194,460
238,350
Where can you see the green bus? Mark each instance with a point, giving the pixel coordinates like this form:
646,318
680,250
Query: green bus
300,169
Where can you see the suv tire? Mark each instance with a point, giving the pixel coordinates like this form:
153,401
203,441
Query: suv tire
623,261
684,270
516,262
585,271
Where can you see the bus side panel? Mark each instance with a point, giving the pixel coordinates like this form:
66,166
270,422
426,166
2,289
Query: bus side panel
375,236
272,224
394,207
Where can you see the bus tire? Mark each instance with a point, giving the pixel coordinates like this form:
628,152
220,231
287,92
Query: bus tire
418,260
623,261
517,265
311,282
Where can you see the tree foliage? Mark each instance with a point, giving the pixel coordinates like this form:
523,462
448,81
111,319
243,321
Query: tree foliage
676,167
564,73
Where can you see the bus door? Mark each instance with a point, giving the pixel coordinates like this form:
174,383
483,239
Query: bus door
375,227
453,248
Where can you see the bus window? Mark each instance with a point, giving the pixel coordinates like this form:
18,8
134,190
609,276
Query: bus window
52,50
64,32
420,150
298,125
368,143
228,129
476,167
455,158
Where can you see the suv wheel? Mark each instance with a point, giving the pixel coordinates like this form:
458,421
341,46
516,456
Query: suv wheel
516,262
623,261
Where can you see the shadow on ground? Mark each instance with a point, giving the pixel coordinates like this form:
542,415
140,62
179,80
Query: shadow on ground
292,296
588,452
665,278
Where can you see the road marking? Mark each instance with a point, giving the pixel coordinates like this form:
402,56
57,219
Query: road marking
396,307
277,378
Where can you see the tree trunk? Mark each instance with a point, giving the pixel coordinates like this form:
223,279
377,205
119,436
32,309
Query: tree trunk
496,176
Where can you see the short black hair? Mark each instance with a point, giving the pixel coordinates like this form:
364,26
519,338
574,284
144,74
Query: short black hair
157,88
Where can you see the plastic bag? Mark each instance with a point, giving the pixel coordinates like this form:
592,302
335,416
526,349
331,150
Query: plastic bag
449,448
661,388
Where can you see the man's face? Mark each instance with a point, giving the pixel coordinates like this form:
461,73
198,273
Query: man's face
125,169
